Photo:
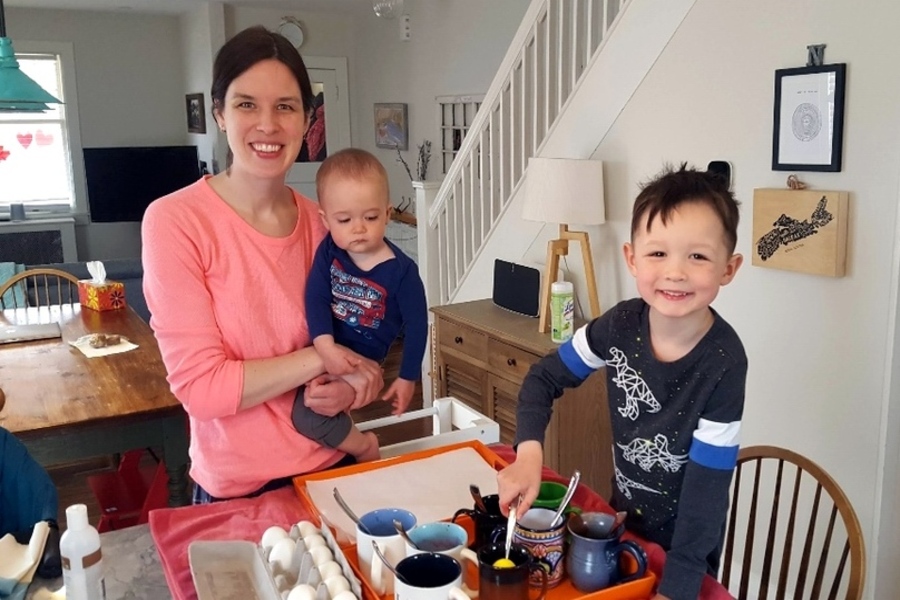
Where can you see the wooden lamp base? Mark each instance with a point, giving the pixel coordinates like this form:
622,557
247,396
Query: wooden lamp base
555,249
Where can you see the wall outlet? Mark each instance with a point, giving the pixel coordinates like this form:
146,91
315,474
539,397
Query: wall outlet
405,28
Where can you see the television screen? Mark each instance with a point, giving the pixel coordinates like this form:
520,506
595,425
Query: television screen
122,182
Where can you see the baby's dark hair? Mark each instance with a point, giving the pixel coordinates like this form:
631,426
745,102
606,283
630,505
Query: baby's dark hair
671,188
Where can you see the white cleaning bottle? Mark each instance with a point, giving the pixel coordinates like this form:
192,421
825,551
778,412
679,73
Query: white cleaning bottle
82,560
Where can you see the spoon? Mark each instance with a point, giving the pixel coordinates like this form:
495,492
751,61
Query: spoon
570,491
620,518
510,528
399,527
387,564
476,495
350,513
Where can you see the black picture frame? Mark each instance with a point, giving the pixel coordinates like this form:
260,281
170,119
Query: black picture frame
808,125
196,113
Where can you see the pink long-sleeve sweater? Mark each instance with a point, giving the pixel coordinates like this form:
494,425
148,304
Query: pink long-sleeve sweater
221,292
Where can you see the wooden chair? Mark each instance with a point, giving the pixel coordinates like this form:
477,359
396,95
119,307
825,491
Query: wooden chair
778,496
39,287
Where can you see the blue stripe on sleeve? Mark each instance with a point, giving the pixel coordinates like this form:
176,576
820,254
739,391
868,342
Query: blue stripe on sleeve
573,361
723,458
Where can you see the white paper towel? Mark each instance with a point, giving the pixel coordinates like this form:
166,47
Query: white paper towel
432,488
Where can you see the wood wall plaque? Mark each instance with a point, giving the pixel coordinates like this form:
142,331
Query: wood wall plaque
800,230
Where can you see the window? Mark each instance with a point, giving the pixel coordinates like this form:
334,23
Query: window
43,166
457,114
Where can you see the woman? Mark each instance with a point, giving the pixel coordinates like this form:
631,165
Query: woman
225,266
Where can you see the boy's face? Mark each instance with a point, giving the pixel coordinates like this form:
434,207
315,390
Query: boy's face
680,266
356,212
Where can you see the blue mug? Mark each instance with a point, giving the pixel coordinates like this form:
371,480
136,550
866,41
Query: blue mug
593,559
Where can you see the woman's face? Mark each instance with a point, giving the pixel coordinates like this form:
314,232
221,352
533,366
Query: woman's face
264,120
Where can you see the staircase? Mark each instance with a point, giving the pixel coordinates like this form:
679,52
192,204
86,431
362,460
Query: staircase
568,73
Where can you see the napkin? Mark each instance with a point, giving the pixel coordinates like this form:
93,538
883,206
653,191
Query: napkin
84,344
18,562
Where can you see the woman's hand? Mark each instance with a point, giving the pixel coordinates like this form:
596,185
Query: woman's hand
328,395
366,382
521,480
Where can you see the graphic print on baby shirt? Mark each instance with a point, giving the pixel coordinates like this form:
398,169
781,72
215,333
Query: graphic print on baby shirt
635,388
358,302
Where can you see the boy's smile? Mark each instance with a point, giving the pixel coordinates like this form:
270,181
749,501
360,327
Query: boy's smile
680,265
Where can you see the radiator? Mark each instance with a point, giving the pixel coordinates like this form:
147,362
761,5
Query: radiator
38,242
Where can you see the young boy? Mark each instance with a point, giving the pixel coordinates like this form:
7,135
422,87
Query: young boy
361,293
675,374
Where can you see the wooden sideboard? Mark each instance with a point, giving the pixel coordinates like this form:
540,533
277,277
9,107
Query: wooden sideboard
482,354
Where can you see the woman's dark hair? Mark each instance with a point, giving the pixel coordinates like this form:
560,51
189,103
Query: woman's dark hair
249,47
672,188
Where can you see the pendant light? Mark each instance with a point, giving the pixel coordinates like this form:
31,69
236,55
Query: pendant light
18,91
387,9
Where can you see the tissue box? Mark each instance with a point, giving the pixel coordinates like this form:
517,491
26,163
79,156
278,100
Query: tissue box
109,295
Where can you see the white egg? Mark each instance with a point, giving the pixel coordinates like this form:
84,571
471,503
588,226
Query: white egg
307,528
329,569
272,535
302,592
321,555
348,595
282,555
337,584
314,540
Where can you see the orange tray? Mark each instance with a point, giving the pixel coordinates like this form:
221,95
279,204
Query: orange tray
639,589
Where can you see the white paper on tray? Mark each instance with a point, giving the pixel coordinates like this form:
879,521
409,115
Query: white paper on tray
432,488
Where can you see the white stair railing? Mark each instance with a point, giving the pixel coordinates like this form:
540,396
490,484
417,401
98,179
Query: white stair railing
553,47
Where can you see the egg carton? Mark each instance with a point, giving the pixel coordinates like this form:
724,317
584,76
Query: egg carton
286,565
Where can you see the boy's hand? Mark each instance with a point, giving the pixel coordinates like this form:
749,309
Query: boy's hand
337,359
400,395
522,479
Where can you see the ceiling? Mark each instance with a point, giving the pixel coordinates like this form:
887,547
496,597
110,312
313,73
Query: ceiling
182,6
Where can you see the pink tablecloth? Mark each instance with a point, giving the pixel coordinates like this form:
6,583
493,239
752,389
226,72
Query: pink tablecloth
173,529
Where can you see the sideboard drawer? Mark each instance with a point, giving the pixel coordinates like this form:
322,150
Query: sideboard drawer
509,361
462,340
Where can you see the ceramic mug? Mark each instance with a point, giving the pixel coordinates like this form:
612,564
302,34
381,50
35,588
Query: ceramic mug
379,525
430,576
550,496
545,542
508,583
593,559
487,524
441,538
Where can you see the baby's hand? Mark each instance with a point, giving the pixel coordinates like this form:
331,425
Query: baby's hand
337,359
400,395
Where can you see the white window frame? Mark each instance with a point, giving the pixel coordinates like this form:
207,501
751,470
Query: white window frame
66,53
462,109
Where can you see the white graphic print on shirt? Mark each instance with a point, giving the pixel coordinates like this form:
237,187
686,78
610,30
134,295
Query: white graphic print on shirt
647,453
636,389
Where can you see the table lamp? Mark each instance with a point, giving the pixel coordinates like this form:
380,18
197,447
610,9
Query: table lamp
565,191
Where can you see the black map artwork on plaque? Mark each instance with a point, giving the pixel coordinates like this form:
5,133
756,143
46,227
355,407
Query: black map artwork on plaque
788,230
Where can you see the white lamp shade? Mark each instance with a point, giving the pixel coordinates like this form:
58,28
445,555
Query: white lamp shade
564,190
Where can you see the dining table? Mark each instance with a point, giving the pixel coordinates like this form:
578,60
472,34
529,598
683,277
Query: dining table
65,406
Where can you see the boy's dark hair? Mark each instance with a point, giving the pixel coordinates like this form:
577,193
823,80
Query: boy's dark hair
670,189
352,163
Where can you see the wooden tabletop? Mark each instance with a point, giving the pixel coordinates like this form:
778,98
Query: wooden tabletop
50,385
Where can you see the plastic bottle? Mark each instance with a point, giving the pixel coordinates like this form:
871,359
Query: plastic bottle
82,560
562,311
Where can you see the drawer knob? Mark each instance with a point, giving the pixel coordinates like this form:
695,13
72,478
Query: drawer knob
458,339
511,362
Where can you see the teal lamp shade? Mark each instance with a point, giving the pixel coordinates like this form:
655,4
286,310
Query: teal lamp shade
18,91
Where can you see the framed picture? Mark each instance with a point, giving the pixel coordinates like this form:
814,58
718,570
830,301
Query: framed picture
196,113
391,129
809,118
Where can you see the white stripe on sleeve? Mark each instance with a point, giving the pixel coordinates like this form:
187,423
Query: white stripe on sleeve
718,434
583,349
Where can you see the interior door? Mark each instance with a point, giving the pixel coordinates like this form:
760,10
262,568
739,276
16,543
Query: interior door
329,128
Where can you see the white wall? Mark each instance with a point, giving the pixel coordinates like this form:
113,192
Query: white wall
823,352
129,77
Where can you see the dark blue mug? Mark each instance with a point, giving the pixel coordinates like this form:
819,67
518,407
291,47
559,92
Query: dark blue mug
593,559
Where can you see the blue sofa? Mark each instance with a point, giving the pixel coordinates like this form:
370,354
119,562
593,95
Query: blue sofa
129,271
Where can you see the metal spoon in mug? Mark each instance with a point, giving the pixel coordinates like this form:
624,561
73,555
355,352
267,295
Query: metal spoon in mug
399,527
570,491
510,530
340,500
387,564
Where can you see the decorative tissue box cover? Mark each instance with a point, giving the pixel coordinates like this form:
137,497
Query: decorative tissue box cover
103,296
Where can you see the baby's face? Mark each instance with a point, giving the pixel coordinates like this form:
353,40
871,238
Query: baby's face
356,212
